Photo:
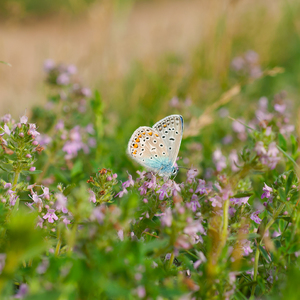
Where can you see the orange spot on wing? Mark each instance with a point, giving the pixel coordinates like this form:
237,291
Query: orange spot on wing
137,140
140,136
165,125
156,134
134,152
135,145
144,132
150,133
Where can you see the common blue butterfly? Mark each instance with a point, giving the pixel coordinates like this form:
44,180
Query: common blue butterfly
157,148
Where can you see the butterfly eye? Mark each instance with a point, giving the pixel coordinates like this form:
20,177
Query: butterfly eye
174,171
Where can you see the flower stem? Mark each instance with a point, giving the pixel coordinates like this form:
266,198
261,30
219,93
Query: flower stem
171,260
57,249
225,224
270,223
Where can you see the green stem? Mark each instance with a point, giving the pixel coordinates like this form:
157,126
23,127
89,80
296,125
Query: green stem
58,245
270,223
225,223
255,269
171,260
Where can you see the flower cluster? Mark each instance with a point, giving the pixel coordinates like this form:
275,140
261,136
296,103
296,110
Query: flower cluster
247,65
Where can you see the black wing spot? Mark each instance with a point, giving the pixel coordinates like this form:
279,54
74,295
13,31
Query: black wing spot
141,153
166,131
143,160
163,136
154,141
151,157
153,149
161,145
176,132
147,138
142,149
155,155
172,139
164,153
170,148
173,128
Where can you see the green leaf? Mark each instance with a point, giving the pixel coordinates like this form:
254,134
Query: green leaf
31,172
288,156
77,168
69,188
243,194
282,142
282,194
289,182
294,145
264,254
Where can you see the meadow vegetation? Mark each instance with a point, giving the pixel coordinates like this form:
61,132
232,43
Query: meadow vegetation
80,220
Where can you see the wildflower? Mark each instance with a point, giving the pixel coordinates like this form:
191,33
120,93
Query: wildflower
201,187
233,158
191,174
32,169
51,216
246,247
129,182
98,214
6,129
202,259
166,218
36,199
22,292
255,218
49,65
6,118
174,102
61,202
260,149
267,192
66,221
46,193
59,125
122,193
92,197
219,160
40,222
7,185
63,79
216,201
32,131
280,108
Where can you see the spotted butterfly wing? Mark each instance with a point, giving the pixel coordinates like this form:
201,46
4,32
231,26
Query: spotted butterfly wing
170,130
155,149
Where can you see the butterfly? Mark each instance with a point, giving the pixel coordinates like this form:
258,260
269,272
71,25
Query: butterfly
157,148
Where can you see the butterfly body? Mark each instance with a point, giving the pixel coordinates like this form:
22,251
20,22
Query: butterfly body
157,148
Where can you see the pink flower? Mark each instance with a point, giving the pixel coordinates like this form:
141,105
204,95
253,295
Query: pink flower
166,218
201,187
32,169
61,202
129,182
267,192
50,215
255,218
23,119
92,197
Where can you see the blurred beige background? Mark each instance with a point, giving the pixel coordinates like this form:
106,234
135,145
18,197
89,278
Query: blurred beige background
105,41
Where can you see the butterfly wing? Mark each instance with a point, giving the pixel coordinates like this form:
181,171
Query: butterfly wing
170,129
148,148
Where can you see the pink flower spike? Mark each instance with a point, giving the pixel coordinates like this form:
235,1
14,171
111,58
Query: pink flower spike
51,216
32,169
23,119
